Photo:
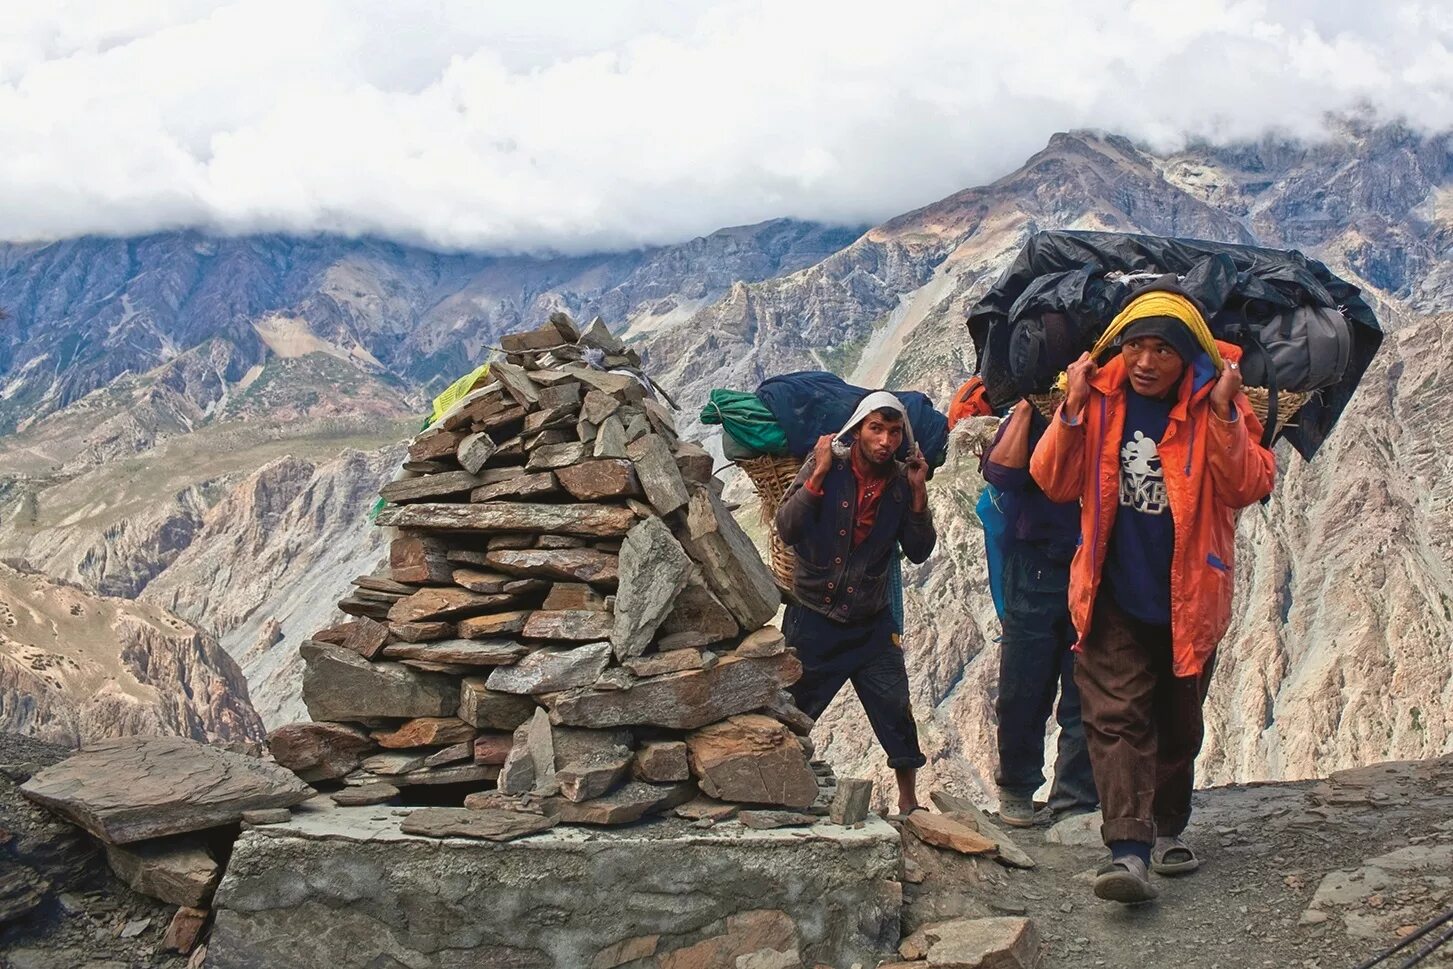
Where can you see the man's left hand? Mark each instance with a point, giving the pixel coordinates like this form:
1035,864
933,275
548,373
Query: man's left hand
1223,395
917,471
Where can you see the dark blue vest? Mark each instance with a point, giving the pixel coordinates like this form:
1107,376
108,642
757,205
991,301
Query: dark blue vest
849,584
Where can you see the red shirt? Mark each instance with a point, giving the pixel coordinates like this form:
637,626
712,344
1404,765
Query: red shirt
870,481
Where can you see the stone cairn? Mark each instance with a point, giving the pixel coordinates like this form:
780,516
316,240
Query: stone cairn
572,628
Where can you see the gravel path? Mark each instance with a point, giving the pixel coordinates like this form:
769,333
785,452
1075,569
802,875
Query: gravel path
1318,875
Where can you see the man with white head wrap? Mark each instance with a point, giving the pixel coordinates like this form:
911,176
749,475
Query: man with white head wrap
851,508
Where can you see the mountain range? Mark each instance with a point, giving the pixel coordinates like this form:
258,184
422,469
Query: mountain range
200,424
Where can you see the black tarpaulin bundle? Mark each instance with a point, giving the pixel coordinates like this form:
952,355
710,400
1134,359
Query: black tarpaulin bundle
1064,288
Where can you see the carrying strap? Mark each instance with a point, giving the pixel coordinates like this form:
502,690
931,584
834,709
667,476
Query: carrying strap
1247,337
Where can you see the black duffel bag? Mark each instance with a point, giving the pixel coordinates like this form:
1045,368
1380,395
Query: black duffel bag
1300,327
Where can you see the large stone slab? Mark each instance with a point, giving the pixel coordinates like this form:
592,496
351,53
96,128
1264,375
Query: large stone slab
625,805
753,759
134,788
590,520
994,943
950,832
570,625
516,488
419,558
600,480
178,871
659,476
698,617
571,564
341,685
445,603
489,825
426,732
319,751
461,652
551,456
493,625
729,561
293,891
427,486
553,670
654,568
489,709
683,701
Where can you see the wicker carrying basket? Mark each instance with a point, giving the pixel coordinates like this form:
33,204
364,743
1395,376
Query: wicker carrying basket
1288,402
771,476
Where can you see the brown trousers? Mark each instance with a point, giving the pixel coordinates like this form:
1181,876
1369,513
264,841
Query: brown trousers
1143,725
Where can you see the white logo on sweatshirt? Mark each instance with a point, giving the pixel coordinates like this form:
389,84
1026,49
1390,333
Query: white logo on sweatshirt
1142,482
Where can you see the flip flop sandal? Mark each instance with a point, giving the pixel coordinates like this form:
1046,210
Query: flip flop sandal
1172,856
1126,881
900,818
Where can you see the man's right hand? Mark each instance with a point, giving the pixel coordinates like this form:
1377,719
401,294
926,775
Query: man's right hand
821,461
1077,394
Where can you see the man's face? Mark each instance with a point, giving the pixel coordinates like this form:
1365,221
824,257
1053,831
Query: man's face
880,437
1154,367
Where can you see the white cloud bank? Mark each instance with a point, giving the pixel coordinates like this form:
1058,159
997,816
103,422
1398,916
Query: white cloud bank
587,125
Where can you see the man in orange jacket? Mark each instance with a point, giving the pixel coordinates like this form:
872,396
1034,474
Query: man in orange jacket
1162,452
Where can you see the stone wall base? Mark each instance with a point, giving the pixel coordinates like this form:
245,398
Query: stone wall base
343,888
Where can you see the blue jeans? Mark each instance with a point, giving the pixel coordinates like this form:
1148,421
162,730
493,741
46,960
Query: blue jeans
1035,663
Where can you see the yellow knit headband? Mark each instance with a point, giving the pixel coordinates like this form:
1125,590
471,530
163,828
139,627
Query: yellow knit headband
1157,303
1161,303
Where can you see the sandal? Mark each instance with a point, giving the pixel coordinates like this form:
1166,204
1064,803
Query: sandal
1126,881
1172,856
900,818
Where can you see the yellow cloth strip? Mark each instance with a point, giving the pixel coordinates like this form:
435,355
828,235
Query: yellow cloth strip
455,391
1157,303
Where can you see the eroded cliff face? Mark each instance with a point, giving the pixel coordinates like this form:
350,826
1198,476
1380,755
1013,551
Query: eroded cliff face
76,667
272,558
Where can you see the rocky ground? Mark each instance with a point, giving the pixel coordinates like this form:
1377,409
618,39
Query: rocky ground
1317,875
85,918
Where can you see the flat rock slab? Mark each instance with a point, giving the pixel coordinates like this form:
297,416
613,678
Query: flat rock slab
729,561
570,564
426,732
339,685
653,569
320,751
764,820
947,831
570,625
365,795
489,709
293,891
489,825
134,788
682,701
552,670
994,943
591,521
178,871
461,652
753,759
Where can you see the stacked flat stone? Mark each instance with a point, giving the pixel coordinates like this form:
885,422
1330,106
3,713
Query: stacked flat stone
571,622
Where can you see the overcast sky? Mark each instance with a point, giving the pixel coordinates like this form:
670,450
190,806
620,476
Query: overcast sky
507,125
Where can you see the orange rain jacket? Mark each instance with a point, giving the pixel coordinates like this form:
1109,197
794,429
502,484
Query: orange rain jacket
1213,469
